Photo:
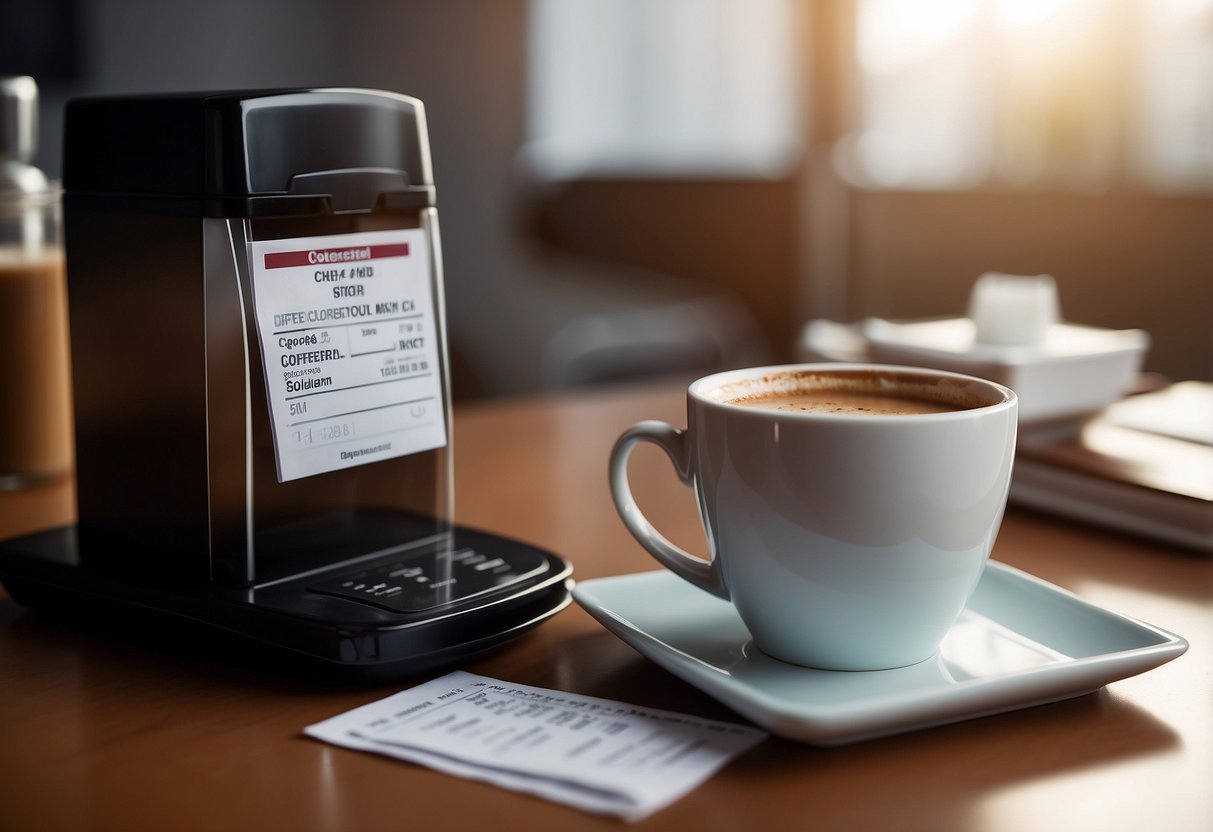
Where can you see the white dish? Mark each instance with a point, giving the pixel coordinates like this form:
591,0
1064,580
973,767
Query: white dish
1075,370
1020,642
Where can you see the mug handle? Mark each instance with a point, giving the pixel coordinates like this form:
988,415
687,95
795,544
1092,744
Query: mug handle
701,573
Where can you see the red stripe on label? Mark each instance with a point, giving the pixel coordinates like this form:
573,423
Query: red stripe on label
334,256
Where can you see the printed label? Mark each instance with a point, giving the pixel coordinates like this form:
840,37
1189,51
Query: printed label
349,342
597,754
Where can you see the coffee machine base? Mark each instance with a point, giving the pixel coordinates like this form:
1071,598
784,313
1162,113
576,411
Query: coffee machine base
395,613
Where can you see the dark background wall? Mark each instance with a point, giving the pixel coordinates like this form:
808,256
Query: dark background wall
518,255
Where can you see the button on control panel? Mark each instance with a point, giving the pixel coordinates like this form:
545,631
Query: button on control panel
429,579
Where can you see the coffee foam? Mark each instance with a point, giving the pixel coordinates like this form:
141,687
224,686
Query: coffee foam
953,392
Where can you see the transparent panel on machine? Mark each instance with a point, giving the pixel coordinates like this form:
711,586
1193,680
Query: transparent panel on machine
349,410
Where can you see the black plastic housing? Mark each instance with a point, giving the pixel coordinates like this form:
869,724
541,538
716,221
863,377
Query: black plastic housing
180,508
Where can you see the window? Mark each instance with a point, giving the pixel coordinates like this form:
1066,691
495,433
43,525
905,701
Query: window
1076,94
628,87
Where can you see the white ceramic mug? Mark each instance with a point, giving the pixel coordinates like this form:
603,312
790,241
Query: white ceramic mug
846,540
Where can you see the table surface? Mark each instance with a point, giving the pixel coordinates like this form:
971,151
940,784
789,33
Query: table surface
99,732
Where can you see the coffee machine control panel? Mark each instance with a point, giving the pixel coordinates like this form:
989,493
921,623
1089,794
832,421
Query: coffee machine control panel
427,580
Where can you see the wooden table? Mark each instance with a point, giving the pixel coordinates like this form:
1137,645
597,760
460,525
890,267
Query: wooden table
97,732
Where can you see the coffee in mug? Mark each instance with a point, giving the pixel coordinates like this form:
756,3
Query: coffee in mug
849,509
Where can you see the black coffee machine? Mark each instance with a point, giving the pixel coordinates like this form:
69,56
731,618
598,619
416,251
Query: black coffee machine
260,380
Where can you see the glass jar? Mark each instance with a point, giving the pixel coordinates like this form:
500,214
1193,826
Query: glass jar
35,395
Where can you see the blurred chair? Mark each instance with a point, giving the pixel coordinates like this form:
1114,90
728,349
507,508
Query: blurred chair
627,328
566,321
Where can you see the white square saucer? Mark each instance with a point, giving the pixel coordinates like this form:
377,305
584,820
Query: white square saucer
1019,642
